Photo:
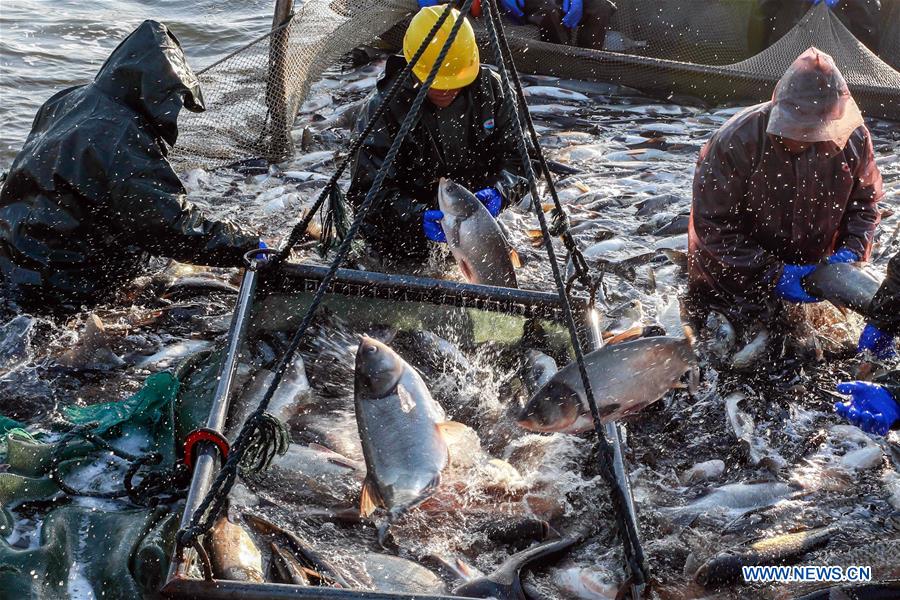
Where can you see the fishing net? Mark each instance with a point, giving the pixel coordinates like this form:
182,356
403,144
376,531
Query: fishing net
700,48
78,550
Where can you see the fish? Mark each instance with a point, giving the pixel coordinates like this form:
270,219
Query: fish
185,288
92,350
736,498
780,549
315,566
710,469
400,426
232,552
286,568
15,340
655,204
505,583
394,575
678,225
744,429
431,354
482,252
719,335
748,356
310,472
622,317
292,393
624,377
172,354
537,370
844,285
554,93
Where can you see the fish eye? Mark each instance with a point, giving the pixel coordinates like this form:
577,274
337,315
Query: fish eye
372,349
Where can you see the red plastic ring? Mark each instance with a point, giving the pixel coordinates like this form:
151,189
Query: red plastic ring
204,435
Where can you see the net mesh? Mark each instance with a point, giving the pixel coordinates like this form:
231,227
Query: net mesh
700,48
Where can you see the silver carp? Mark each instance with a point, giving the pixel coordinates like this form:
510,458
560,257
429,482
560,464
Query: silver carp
400,429
844,285
624,377
482,252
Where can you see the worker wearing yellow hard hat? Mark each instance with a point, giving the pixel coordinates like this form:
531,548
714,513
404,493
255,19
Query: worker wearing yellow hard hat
461,65
463,132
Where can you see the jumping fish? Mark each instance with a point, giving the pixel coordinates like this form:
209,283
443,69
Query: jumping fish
232,552
482,252
844,285
538,370
505,583
400,429
624,378
726,566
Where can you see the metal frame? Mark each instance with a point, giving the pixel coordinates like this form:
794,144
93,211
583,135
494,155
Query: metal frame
296,278
292,279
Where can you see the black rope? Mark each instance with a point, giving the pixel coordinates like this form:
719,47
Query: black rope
300,228
560,220
154,488
213,503
626,528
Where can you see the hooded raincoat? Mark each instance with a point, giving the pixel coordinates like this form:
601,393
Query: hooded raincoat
757,206
91,195
471,141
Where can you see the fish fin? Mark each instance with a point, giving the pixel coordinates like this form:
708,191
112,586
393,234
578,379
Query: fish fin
407,402
452,428
515,258
689,335
334,457
547,206
535,233
464,569
629,334
466,271
693,380
370,499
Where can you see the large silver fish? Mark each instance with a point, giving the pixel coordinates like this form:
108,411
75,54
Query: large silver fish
482,252
844,285
400,429
624,377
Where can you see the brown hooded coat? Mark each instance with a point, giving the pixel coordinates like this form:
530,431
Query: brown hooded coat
757,206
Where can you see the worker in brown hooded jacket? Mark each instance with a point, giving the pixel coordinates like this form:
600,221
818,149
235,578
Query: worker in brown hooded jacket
780,187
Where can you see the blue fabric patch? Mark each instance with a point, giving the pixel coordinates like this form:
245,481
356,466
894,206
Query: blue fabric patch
489,124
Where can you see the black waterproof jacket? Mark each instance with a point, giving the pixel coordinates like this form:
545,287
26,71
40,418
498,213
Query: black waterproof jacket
91,195
471,141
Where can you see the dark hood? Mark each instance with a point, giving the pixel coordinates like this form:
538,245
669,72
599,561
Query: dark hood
149,73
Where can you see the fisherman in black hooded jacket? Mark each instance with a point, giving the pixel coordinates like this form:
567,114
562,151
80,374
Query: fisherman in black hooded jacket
464,131
91,195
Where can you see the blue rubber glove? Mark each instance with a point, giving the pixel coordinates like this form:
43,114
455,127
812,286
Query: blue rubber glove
844,255
491,199
431,223
514,7
877,342
574,10
262,256
871,407
426,3
790,285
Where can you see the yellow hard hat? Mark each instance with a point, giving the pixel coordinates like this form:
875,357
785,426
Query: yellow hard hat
462,62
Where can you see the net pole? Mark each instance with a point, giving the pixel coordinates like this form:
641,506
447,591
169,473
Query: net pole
279,122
